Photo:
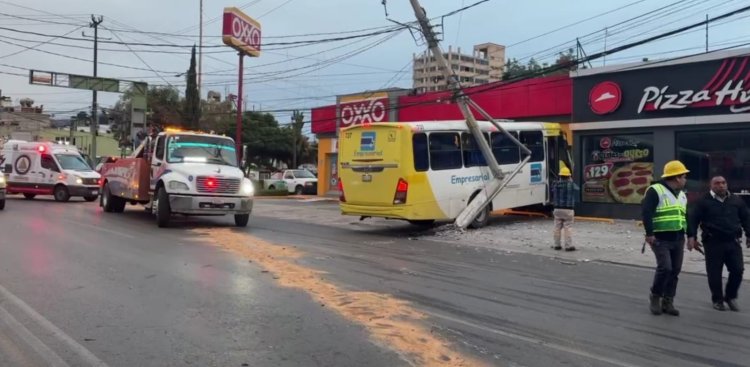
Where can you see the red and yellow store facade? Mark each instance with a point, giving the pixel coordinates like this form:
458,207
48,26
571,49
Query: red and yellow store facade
546,99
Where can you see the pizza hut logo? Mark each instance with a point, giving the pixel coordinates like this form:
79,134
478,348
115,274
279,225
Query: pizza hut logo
605,98
605,143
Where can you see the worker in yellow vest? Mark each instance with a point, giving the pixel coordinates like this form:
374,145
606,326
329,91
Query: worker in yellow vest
664,212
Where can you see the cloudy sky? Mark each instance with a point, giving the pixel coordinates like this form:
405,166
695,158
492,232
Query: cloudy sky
290,76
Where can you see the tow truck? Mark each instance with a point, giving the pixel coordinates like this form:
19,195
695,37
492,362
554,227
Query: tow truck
179,172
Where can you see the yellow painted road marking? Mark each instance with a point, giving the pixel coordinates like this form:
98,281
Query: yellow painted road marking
391,322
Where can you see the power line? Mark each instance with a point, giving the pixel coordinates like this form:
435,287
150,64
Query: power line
82,59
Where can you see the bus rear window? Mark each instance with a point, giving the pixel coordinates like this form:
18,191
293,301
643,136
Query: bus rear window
445,151
421,152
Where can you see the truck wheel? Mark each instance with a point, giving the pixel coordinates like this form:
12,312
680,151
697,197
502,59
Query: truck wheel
29,196
298,190
61,193
163,212
2,204
111,203
91,198
240,220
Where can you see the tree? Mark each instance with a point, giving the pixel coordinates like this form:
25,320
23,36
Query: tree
267,142
567,61
192,110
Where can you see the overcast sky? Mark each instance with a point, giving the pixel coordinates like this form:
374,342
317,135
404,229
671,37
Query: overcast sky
286,77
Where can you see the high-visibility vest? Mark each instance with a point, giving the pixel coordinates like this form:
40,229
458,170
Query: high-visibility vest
671,211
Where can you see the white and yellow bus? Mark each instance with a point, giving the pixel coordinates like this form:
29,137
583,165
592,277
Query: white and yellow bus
427,171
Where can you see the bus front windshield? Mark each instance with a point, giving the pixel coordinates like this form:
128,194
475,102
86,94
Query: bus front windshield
72,162
201,149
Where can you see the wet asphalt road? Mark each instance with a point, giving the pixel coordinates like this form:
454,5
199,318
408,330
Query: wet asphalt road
133,295
108,292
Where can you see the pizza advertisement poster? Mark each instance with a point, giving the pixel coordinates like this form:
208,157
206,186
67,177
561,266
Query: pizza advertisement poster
617,169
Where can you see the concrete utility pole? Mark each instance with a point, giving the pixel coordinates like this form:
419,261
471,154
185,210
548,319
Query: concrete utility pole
94,121
499,180
200,50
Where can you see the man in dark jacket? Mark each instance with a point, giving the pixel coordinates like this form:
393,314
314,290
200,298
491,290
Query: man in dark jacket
722,217
664,214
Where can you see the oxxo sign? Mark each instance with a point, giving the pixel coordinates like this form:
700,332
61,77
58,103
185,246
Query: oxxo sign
241,32
363,112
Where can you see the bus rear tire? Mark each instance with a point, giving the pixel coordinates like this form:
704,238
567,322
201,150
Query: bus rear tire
29,196
422,222
482,219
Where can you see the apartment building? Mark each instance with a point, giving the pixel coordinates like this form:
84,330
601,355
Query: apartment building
484,65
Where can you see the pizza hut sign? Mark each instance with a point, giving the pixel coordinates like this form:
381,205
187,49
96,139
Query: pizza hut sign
732,94
363,112
241,32
704,87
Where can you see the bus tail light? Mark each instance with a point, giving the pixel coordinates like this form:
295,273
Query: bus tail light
401,189
342,197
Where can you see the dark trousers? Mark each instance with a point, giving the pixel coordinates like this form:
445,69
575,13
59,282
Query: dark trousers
718,254
668,266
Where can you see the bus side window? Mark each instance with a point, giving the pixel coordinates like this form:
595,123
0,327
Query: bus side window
472,154
421,152
504,149
49,163
445,151
534,140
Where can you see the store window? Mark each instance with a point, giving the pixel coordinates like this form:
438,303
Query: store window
716,152
617,168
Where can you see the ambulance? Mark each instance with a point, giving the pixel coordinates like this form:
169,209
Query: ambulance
45,168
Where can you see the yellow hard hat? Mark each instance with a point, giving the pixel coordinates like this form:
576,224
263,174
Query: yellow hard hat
565,171
674,168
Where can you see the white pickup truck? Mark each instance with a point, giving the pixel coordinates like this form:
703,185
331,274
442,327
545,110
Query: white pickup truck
297,181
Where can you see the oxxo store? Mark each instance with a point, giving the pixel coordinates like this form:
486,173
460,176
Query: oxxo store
629,120
545,99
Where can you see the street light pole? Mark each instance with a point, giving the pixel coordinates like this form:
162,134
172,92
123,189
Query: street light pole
94,122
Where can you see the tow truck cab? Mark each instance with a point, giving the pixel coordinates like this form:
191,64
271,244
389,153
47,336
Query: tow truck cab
183,173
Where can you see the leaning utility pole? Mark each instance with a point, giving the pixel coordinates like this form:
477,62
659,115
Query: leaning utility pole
500,179
94,118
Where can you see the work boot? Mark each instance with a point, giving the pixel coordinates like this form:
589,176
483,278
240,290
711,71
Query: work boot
655,305
667,306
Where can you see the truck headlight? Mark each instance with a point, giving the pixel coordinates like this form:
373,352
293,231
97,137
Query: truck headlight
2,178
79,181
178,186
247,188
